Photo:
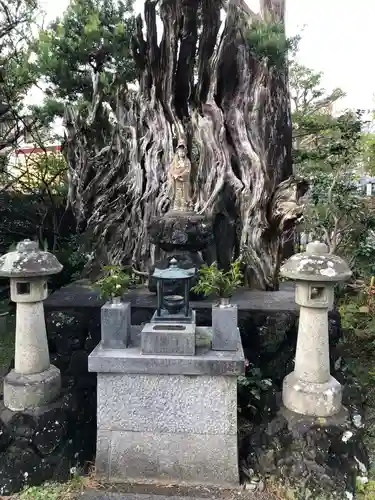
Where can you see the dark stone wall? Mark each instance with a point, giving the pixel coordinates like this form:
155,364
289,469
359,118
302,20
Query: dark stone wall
47,443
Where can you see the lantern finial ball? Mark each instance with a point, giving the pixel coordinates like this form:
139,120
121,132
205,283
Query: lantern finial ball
317,248
27,246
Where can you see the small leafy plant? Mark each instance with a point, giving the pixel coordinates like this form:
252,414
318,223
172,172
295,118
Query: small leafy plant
213,280
268,42
114,283
358,313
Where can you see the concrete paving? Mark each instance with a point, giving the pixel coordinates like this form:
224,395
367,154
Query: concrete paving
130,496
239,494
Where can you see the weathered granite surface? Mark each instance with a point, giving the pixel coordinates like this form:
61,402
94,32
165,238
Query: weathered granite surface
31,390
172,404
210,459
206,362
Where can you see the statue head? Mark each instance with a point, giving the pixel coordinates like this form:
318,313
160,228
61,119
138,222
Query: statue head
181,151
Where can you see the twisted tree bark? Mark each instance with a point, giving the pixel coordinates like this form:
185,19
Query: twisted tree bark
231,107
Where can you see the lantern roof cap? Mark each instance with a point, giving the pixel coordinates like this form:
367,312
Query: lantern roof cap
28,261
316,264
173,272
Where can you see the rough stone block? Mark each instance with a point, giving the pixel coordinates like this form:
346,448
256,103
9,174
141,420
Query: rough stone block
31,391
168,339
210,459
315,400
174,403
325,456
44,443
115,325
225,334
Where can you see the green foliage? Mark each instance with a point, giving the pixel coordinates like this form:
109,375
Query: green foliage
54,491
41,173
337,212
356,320
366,490
358,312
92,36
250,389
114,283
215,280
50,109
267,41
72,255
307,94
368,152
327,152
17,19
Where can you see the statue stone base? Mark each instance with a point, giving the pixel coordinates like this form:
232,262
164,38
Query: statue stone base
180,235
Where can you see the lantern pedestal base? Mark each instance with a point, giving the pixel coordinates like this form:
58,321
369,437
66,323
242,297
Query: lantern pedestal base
315,400
22,392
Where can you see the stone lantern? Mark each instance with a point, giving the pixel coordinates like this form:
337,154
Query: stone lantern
34,381
310,389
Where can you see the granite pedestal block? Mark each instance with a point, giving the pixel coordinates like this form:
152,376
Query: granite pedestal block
22,392
308,398
115,324
168,418
225,327
171,339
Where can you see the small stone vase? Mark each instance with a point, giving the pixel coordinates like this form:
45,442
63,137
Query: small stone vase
225,336
115,324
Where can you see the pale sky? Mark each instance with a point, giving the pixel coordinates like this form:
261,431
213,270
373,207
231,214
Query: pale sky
337,39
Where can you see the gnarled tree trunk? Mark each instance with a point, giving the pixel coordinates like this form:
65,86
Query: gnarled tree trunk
228,104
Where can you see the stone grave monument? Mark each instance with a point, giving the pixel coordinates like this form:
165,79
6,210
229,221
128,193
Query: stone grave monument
167,404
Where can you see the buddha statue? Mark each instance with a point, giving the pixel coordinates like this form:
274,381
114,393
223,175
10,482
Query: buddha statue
179,180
